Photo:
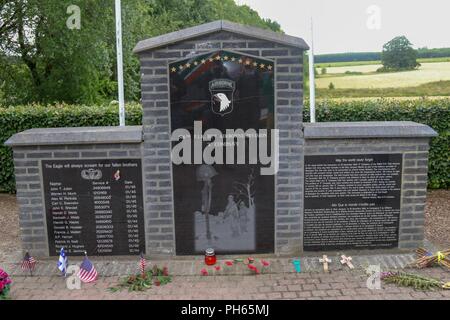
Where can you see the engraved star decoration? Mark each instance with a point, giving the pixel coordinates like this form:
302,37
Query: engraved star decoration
257,64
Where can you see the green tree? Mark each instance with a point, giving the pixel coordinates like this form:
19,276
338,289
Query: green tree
55,62
42,60
398,54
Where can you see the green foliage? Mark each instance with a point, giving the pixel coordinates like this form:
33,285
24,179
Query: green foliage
4,294
20,118
435,113
398,54
422,53
412,280
347,56
41,60
55,63
139,282
331,86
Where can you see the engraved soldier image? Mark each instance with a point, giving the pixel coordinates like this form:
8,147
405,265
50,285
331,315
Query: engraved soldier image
222,94
228,207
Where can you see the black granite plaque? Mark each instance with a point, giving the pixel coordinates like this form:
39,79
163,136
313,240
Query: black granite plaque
94,206
352,201
229,207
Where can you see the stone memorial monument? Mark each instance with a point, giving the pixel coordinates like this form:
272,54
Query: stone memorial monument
207,91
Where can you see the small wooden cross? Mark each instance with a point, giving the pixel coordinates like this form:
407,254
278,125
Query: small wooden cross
347,261
325,262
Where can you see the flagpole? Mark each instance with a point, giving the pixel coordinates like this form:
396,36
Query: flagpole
312,89
120,63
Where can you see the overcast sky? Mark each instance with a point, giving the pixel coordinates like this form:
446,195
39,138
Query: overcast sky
360,25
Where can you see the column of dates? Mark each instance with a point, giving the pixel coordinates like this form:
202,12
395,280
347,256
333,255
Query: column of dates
103,214
131,207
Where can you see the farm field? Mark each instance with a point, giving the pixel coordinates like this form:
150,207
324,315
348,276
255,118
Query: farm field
354,68
405,98
436,89
363,63
427,73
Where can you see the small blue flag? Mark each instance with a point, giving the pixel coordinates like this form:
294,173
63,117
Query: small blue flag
63,262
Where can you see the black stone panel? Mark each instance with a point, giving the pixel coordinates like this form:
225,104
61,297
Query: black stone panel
352,201
229,207
94,206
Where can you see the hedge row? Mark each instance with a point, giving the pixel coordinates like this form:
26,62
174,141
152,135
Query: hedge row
432,112
20,118
435,113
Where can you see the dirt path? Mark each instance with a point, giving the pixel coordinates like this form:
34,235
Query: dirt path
437,218
9,226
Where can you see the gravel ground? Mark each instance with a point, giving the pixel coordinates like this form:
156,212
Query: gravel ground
9,226
437,222
437,218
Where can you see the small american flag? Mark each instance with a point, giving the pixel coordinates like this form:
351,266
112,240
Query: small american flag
87,271
28,262
142,264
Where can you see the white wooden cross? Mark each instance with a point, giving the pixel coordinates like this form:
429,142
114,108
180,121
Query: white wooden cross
347,261
325,262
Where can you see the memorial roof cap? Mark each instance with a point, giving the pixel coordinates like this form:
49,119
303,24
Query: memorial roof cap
215,26
81,135
375,129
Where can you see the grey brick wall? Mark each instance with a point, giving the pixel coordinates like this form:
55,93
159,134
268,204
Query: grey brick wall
157,146
27,163
414,176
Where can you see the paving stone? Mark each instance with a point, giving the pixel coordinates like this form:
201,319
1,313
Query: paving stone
239,284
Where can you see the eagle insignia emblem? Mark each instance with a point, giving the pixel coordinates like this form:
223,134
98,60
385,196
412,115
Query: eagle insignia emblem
222,91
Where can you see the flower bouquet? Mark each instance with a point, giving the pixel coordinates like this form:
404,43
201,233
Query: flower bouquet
142,282
5,283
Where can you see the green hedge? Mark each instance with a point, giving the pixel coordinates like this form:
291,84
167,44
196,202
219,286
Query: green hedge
432,112
435,113
20,118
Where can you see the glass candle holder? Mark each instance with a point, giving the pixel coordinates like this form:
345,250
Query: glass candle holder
210,257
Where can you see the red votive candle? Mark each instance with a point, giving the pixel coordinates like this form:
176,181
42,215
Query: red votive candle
210,257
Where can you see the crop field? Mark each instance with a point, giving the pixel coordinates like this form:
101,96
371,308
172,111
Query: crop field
364,63
367,78
367,68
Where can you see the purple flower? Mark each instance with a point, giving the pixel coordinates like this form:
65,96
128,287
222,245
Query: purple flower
387,274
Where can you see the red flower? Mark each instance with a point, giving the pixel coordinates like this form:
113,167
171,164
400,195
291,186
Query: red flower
165,271
157,283
229,263
217,268
204,272
265,263
253,268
